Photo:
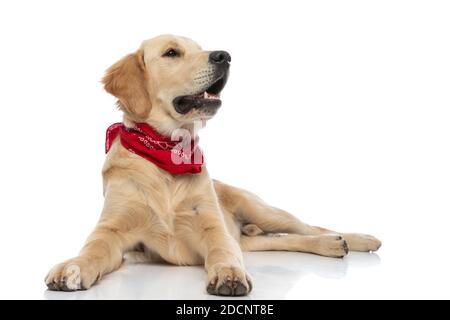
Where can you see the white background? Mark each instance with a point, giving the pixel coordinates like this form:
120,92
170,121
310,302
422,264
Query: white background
337,111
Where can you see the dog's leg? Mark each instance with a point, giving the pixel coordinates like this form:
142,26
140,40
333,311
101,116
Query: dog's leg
248,208
101,254
222,254
325,245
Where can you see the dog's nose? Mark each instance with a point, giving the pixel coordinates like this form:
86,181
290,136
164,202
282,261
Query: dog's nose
219,57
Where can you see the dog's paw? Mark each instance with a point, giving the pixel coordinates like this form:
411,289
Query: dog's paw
331,246
226,280
71,275
362,242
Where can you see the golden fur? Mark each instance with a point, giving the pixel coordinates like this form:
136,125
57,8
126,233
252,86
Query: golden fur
182,219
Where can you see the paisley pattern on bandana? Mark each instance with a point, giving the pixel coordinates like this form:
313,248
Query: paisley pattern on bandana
144,141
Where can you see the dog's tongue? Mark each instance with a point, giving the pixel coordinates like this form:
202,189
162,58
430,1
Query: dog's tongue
204,99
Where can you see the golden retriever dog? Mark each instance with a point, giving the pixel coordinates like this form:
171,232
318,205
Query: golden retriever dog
171,83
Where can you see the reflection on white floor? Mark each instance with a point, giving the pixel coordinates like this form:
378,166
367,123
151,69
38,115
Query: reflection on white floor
276,275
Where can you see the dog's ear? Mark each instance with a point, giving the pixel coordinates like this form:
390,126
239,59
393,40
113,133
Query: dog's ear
127,80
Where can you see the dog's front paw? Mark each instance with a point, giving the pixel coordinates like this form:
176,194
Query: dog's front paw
71,275
227,280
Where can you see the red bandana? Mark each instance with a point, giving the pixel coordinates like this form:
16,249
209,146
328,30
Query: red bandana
172,156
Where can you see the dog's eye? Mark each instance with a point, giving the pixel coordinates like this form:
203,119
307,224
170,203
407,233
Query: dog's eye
171,53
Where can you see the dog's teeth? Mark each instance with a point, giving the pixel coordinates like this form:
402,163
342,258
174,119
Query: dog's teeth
209,96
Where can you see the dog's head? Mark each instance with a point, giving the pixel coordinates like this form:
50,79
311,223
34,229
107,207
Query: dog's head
170,82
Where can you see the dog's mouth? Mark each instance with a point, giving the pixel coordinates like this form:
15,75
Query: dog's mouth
208,99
